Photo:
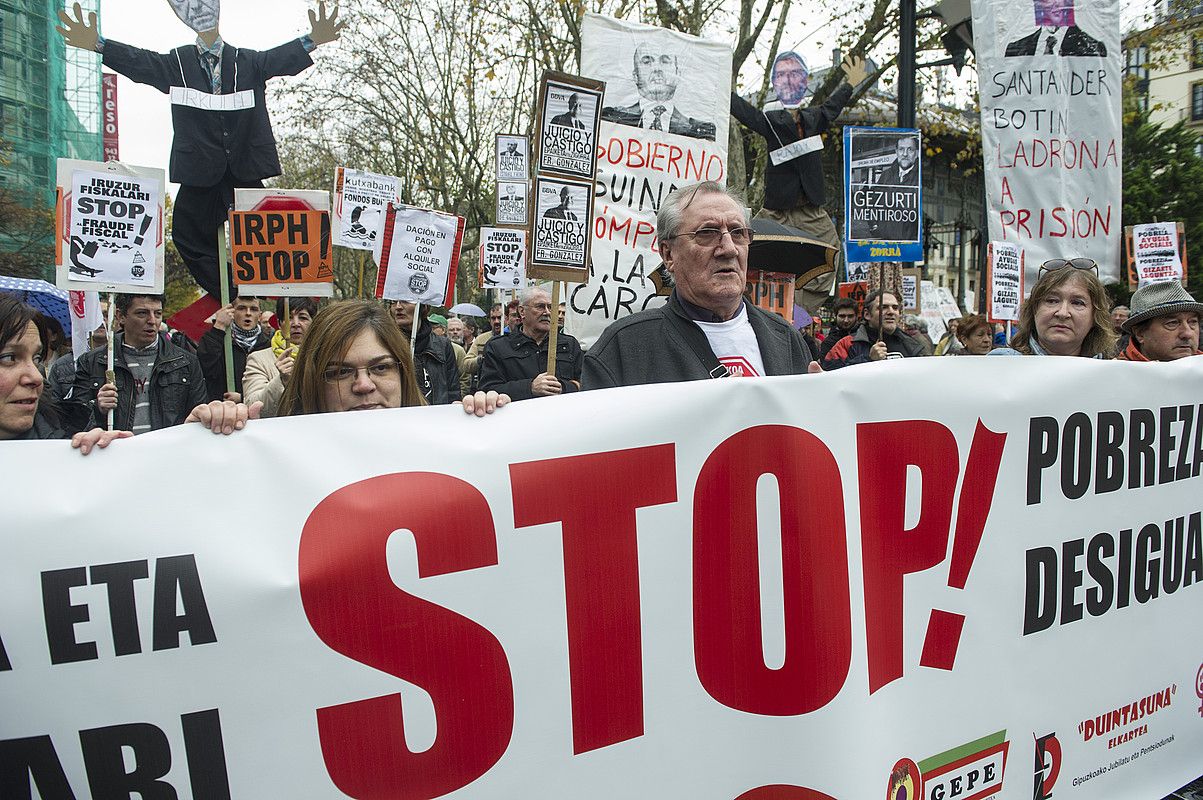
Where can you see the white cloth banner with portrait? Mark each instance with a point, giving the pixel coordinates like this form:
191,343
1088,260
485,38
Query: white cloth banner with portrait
1050,76
664,125
702,590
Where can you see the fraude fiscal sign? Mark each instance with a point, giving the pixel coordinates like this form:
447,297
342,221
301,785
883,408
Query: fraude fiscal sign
773,589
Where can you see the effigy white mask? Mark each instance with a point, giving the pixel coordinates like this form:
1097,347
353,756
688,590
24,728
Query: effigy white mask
199,15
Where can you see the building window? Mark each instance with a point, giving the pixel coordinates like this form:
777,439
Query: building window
1196,52
1196,102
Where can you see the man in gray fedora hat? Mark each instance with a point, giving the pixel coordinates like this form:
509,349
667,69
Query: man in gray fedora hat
1164,324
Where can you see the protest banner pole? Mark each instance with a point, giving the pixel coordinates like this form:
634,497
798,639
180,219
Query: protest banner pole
362,258
109,375
224,276
413,332
553,334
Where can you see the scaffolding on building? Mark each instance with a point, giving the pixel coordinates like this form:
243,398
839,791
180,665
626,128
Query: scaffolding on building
49,98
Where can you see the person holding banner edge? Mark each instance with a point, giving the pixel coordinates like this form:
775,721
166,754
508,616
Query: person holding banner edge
26,415
214,151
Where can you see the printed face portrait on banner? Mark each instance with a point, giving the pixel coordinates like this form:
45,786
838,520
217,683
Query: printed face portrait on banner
884,185
790,79
199,15
660,101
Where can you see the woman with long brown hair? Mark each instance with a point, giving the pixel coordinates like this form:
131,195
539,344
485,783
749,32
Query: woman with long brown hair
1067,314
354,358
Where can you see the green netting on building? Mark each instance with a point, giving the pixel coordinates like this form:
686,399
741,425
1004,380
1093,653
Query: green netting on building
49,98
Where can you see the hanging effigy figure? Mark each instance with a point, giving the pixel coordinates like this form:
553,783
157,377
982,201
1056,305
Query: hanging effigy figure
223,134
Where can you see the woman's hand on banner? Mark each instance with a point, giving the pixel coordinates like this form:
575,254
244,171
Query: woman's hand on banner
97,437
483,403
78,33
225,416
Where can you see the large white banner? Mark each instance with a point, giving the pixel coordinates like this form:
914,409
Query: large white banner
1050,76
664,125
710,591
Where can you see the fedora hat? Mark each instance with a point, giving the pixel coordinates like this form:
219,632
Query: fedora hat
1156,299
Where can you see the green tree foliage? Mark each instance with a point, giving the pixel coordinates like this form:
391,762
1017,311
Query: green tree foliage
1163,181
26,237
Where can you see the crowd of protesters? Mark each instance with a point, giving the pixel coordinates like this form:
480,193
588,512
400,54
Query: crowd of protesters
363,354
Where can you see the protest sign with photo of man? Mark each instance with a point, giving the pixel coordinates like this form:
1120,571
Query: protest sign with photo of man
512,201
640,163
562,213
110,227
883,194
568,121
513,157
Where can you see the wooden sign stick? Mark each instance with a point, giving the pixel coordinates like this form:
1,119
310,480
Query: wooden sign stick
552,335
223,270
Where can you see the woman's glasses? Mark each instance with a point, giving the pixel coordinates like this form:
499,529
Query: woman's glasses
1054,264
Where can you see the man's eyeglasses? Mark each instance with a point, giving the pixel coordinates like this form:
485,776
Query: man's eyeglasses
1054,264
709,237
379,370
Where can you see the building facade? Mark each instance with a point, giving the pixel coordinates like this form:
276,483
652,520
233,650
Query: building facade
49,99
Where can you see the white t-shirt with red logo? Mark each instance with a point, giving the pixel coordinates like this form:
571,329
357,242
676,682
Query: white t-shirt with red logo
734,343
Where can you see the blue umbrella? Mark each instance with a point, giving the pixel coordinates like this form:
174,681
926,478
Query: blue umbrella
43,296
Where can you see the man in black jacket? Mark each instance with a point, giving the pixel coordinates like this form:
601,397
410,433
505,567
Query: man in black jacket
707,329
843,324
157,384
435,366
877,338
516,363
219,145
241,317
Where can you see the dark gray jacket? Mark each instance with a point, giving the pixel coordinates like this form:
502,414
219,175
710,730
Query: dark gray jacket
176,387
660,346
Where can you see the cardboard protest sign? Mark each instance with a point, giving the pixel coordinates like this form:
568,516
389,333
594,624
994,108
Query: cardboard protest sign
317,282
1050,78
280,247
769,589
109,223
560,250
929,310
1006,281
948,303
858,291
418,254
1156,252
772,291
359,202
568,121
910,286
645,69
513,157
502,258
513,203
883,194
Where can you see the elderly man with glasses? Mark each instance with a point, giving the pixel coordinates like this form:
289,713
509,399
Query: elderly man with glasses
707,329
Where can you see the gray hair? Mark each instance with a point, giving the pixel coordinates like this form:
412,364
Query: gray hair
528,294
668,218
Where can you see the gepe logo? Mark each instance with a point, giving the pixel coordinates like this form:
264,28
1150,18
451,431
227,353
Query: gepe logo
969,772
1048,766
